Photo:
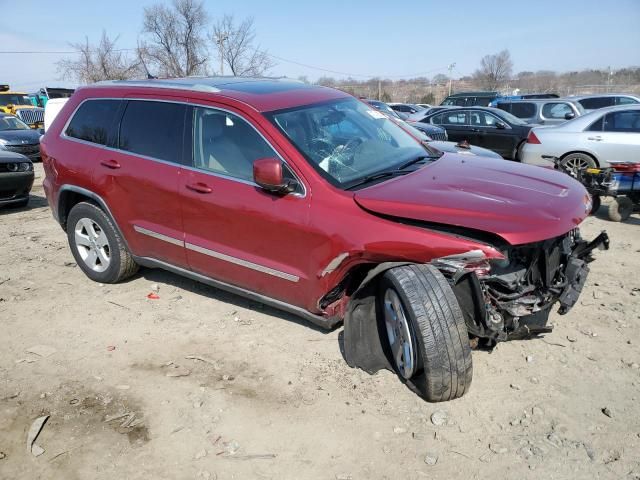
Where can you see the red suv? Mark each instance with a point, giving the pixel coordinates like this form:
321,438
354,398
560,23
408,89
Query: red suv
307,199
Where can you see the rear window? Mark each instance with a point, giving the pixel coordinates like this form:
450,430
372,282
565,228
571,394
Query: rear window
95,122
597,102
556,110
523,110
153,129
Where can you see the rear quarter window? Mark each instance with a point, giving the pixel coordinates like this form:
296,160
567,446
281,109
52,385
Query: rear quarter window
597,102
95,122
523,110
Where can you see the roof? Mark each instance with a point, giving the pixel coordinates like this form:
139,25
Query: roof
474,94
597,95
262,93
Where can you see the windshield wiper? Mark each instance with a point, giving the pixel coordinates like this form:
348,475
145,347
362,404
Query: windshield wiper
377,176
416,160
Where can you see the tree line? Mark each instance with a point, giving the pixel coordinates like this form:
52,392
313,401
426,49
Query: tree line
176,40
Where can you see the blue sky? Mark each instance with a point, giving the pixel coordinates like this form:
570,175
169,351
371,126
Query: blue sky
375,37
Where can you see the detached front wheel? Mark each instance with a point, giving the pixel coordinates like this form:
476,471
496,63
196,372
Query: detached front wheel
428,342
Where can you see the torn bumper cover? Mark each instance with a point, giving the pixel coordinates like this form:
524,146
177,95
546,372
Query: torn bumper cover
511,298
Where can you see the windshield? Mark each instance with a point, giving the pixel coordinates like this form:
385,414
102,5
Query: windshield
348,140
512,119
14,99
12,123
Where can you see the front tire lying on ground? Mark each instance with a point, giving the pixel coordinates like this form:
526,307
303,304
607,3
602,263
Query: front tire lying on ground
97,246
428,339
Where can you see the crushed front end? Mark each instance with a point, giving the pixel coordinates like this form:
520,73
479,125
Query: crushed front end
511,298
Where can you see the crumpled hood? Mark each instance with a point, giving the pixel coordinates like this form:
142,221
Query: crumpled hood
20,137
520,203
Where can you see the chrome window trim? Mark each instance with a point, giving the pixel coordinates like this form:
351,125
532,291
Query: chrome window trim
63,135
220,256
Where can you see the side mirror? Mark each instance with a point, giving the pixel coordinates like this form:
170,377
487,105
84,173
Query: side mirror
569,116
267,173
500,125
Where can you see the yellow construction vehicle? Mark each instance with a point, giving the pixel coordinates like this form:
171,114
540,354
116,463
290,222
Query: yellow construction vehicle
19,104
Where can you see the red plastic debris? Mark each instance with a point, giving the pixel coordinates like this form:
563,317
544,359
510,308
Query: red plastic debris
110,348
153,296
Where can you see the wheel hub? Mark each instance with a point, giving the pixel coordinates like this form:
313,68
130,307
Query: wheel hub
92,245
399,334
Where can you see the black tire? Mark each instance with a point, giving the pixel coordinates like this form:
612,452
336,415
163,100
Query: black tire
121,264
620,209
443,365
596,202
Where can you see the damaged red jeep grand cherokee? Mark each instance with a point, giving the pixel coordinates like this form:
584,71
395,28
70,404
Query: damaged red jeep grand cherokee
305,198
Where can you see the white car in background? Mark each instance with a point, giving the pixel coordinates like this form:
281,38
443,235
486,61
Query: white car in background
51,110
597,139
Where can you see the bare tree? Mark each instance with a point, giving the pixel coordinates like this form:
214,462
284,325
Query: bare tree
236,48
104,62
174,42
494,70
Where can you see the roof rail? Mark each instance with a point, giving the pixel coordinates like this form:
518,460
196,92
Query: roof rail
197,87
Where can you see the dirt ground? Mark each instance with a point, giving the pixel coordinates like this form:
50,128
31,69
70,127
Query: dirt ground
201,384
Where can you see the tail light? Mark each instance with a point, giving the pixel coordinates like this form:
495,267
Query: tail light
625,166
532,138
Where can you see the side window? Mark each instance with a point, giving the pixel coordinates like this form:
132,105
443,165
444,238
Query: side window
597,102
626,101
627,122
556,110
95,122
454,118
596,126
523,110
436,119
226,144
153,129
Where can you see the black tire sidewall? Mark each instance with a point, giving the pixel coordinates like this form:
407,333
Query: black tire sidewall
596,204
87,210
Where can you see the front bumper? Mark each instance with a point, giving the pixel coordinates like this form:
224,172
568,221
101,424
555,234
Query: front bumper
15,186
514,300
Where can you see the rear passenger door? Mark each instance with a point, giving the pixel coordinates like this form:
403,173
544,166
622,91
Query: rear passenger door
139,178
235,231
457,126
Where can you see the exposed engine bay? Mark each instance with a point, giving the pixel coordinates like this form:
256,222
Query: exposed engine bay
511,298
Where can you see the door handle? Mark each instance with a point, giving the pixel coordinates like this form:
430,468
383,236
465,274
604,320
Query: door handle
113,164
595,139
199,187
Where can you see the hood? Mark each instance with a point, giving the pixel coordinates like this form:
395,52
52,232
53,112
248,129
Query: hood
20,137
520,203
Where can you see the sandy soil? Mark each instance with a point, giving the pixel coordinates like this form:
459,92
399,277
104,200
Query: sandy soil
271,397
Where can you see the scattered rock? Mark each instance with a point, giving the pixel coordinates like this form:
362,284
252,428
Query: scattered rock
525,452
607,412
3,455
386,449
612,456
431,458
534,380
529,358
591,453
515,386
572,338
439,418
155,287
41,350
498,448
399,430
344,476
231,447
177,371
201,454
228,378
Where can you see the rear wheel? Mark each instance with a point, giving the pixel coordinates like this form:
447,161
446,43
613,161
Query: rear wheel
575,162
428,342
97,246
620,209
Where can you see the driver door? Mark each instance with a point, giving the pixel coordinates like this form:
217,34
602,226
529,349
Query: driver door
235,231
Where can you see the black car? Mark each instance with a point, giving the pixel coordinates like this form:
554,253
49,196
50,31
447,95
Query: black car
16,136
485,127
432,131
16,179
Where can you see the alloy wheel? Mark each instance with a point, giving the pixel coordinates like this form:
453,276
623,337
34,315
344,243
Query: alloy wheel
92,245
399,334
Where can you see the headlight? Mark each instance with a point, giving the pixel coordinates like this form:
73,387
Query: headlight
12,167
472,261
25,166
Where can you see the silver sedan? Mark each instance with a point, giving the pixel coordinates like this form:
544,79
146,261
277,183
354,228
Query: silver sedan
597,139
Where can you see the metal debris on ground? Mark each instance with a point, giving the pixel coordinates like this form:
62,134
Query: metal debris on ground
34,431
